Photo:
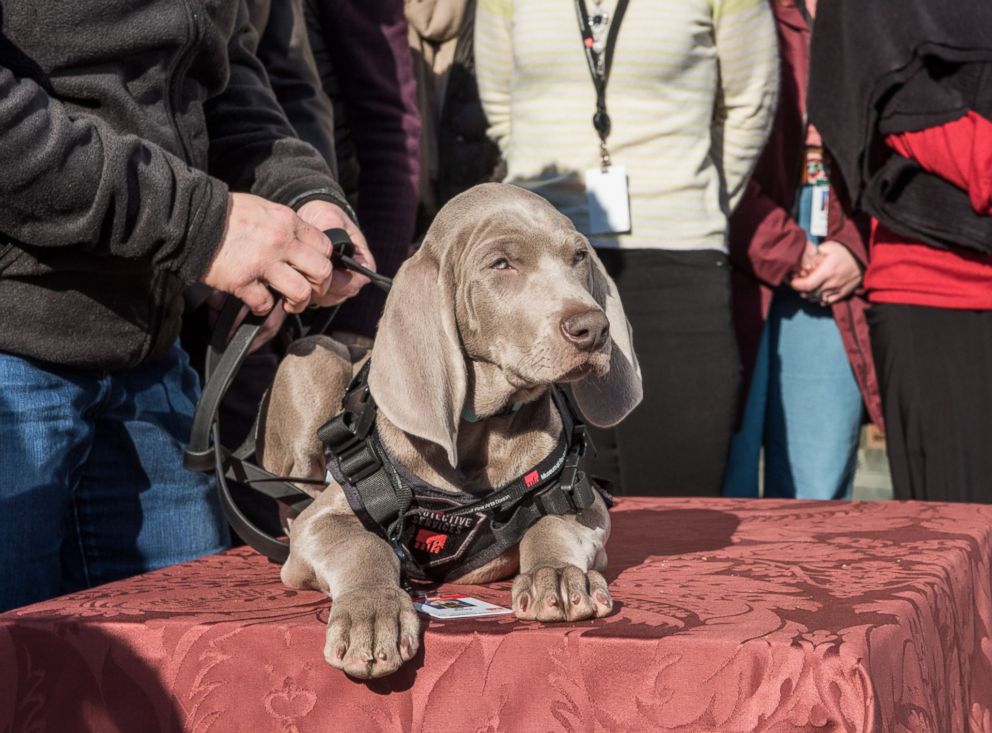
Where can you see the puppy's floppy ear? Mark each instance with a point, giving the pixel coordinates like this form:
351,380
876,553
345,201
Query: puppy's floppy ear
606,400
418,376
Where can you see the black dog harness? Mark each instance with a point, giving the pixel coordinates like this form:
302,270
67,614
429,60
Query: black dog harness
442,535
437,534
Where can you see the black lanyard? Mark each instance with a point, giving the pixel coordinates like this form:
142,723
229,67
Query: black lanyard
804,11
601,119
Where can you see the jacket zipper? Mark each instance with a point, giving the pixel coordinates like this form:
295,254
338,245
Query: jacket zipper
178,74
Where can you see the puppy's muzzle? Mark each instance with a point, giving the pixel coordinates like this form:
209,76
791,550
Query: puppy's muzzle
587,330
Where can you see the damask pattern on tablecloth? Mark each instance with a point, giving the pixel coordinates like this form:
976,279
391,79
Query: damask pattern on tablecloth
730,615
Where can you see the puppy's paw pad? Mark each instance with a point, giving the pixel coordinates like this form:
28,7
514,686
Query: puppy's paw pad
560,594
334,652
604,603
409,644
371,632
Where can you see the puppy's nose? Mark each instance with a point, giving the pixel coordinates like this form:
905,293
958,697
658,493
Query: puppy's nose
588,329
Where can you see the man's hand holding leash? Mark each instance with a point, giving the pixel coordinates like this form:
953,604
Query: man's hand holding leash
267,245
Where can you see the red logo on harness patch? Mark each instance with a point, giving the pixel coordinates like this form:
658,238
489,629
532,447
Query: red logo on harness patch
531,478
429,541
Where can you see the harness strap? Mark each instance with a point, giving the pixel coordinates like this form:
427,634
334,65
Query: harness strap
379,499
387,505
520,487
350,437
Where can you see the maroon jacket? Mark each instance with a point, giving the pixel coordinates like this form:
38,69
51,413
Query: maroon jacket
766,244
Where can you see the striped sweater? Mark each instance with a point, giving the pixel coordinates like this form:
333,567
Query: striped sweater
691,97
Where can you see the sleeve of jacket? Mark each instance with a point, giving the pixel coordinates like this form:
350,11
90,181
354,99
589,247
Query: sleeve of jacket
252,145
959,151
494,66
73,181
764,238
747,48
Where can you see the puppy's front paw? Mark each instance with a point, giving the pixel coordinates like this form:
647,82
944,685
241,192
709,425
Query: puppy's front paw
561,594
371,632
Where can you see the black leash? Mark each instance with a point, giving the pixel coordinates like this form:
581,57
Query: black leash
234,469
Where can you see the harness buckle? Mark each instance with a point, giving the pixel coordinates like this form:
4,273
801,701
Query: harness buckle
570,472
575,485
359,462
574,482
346,436
342,432
357,403
338,434
366,418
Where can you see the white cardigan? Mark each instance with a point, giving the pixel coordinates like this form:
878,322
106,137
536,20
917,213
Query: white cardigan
691,96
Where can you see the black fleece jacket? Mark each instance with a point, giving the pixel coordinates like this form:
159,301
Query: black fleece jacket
890,66
122,127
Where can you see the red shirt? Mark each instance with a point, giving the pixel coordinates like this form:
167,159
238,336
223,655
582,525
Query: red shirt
909,273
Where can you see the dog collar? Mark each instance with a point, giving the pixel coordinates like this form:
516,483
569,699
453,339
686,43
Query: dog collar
469,416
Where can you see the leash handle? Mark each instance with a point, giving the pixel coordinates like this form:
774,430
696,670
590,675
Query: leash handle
343,256
341,244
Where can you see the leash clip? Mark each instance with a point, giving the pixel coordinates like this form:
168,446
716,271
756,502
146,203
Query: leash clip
574,482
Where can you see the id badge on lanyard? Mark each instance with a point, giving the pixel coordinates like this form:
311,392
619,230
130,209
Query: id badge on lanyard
607,191
815,176
608,199
819,218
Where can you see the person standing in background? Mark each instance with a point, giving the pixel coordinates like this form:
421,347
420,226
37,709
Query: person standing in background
798,258
683,94
376,165
282,43
455,152
909,122
284,50
366,70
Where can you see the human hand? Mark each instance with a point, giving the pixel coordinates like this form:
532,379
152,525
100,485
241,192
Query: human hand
270,327
807,263
835,275
266,244
344,283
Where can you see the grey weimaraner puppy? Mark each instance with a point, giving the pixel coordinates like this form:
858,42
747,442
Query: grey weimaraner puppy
504,298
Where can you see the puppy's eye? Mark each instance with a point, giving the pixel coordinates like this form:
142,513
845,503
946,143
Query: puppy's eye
579,256
501,264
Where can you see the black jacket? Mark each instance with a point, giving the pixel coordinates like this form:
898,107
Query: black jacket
362,57
284,50
890,66
466,154
121,127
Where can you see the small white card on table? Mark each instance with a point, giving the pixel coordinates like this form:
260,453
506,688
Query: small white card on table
456,606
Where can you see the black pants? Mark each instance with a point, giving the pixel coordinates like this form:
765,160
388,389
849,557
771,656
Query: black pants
675,443
935,373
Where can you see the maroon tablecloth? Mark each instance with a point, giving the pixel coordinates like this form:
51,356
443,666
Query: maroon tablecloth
731,615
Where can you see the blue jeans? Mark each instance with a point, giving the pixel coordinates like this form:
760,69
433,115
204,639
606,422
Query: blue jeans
92,487
804,406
